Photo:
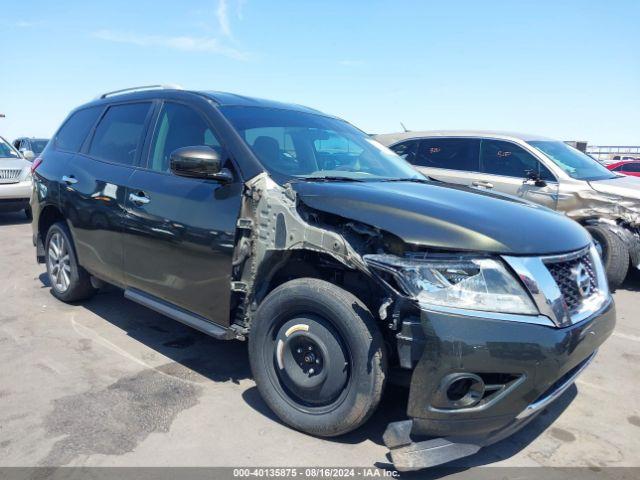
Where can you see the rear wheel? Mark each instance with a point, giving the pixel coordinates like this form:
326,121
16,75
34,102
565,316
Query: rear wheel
614,253
317,357
69,281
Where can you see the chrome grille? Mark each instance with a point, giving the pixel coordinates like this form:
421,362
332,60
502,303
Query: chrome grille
564,273
9,175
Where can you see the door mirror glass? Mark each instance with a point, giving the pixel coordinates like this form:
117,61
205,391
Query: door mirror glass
199,162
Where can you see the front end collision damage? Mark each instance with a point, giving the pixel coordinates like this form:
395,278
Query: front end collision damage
619,213
276,227
271,231
629,234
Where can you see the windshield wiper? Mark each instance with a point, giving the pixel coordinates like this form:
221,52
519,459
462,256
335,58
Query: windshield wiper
412,179
329,178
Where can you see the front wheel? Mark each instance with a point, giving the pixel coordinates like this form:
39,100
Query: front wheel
614,253
317,357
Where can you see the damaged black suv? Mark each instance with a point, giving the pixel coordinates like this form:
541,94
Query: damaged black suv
342,265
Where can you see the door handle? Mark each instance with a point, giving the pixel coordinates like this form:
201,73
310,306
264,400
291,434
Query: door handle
69,180
479,183
139,199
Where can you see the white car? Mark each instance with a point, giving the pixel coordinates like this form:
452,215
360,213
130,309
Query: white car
15,180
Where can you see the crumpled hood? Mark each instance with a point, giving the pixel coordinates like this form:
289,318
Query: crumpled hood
626,186
448,217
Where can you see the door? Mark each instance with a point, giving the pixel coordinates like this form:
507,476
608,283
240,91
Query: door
93,188
505,167
179,232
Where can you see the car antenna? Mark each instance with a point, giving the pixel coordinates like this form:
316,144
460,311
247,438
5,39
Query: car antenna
403,127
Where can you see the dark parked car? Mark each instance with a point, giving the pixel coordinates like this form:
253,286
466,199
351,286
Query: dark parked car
342,265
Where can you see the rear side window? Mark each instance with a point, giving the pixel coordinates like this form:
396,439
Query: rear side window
451,153
407,150
119,134
631,167
499,157
72,134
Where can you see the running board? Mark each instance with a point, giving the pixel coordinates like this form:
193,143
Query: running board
183,316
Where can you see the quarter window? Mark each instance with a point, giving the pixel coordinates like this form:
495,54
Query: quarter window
73,133
178,126
118,135
450,153
499,157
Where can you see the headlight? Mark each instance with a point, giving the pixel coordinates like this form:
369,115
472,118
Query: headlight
468,283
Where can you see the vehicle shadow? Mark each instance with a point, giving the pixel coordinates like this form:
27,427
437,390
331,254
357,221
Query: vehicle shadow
393,408
13,218
222,361
632,282
217,360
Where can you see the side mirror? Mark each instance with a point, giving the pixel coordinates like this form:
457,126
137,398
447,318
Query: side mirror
533,176
28,154
199,162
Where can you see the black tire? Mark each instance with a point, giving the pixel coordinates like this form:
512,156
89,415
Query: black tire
615,254
27,213
69,282
338,397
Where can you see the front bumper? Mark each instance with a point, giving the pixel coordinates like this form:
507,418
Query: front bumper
14,196
536,362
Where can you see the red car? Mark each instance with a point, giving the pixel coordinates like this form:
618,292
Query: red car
627,167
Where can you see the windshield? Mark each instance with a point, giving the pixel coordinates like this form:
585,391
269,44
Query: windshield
37,146
292,144
577,164
6,150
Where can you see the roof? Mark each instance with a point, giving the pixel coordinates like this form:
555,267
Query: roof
224,98
220,98
391,138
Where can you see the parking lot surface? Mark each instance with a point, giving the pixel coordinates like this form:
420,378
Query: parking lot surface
111,383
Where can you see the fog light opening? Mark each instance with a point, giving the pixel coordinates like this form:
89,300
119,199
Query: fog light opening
460,390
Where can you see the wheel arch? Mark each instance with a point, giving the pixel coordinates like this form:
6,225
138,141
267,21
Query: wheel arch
49,215
285,265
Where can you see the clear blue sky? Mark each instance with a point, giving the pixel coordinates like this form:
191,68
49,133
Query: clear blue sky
567,69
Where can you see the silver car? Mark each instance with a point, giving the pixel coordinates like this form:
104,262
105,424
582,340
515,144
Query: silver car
15,180
541,170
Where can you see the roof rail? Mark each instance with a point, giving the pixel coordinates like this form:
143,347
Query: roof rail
141,89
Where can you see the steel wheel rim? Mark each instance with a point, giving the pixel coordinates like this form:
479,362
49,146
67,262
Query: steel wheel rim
58,263
291,396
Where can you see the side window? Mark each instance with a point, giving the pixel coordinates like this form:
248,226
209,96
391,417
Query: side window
72,134
16,144
632,167
619,168
499,157
407,150
178,126
451,153
118,135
